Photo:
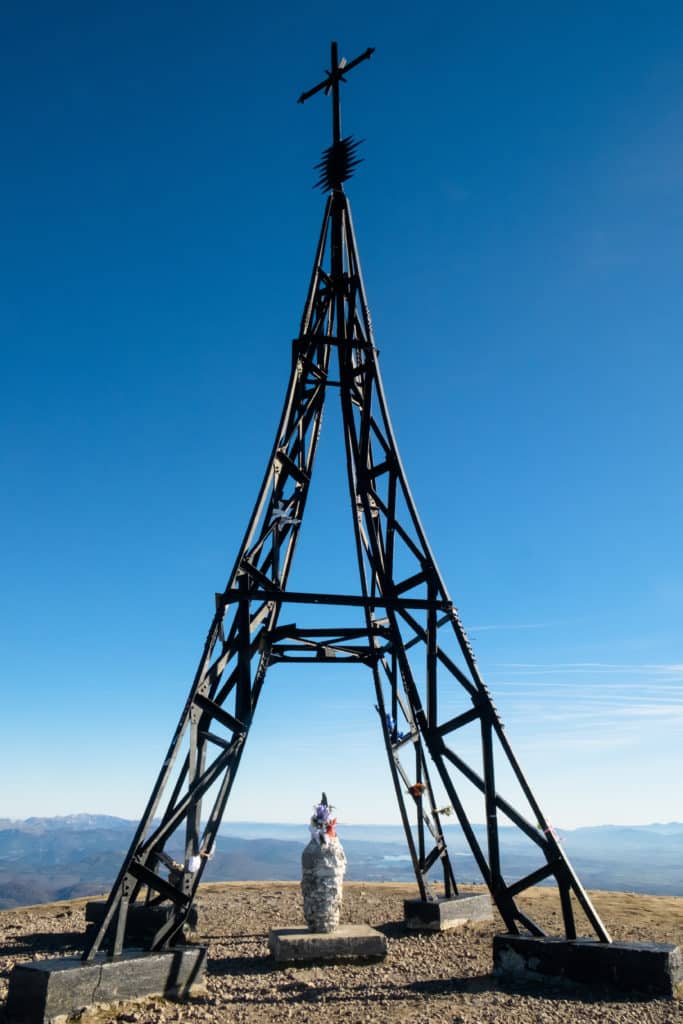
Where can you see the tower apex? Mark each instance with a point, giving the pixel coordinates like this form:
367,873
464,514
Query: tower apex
338,160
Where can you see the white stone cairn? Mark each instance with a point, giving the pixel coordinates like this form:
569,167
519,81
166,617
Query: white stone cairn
323,864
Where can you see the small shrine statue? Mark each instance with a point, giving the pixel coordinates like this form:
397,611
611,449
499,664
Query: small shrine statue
323,864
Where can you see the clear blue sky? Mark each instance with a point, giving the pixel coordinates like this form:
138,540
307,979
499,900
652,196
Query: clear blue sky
520,221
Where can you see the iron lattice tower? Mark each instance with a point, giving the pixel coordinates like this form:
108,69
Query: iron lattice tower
409,634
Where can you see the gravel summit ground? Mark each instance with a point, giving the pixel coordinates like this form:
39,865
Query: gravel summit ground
445,977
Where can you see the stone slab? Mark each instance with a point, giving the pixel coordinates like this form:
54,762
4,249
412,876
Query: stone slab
45,989
652,968
446,913
347,942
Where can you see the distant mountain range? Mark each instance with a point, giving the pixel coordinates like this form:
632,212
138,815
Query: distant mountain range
46,859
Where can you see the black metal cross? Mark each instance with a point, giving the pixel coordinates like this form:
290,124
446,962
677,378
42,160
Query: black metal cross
334,77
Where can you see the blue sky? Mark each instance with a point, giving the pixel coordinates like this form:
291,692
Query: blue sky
520,221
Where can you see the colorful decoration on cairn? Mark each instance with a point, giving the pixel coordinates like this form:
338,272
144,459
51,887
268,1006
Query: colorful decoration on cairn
323,864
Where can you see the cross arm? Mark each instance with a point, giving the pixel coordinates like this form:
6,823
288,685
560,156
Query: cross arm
337,74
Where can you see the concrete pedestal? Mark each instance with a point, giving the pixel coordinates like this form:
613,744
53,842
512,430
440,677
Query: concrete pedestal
45,989
652,968
443,914
347,942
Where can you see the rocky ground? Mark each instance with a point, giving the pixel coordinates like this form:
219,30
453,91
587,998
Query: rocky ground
445,977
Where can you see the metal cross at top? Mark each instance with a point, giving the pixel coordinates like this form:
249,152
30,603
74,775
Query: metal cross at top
334,77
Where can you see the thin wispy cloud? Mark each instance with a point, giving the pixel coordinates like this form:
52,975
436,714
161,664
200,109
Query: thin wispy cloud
592,724
652,710
673,668
582,741
593,696
608,713
605,686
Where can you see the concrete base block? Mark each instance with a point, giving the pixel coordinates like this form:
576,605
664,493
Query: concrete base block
347,942
446,913
649,967
142,923
45,989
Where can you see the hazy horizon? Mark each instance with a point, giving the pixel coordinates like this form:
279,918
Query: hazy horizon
448,822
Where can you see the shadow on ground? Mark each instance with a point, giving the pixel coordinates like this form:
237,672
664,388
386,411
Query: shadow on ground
553,988
47,942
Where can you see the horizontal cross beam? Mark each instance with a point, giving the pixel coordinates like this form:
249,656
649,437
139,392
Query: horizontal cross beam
336,74
358,601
